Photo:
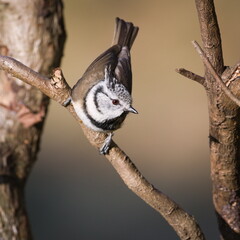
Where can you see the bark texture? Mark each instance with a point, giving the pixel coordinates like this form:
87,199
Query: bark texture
32,31
224,121
57,89
221,84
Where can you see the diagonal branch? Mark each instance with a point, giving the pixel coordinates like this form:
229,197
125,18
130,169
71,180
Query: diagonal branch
192,76
214,74
42,83
57,89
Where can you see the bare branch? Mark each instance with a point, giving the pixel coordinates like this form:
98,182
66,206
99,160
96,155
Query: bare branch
22,72
57,89
191,76
210,33
230,74
214,74
223,125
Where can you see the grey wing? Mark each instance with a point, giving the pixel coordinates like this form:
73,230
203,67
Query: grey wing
123,70
120,63
109,57
95,72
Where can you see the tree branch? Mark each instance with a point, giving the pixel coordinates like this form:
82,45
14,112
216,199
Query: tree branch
22,72
192,76
57,89
224,121
210,33
214,74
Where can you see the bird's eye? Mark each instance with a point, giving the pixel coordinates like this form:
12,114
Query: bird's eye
115,102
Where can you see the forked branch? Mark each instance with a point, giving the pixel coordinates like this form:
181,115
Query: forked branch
214,73
57,89
223,122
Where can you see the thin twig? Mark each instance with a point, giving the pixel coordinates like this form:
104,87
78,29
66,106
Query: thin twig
191,75
183,223
214,74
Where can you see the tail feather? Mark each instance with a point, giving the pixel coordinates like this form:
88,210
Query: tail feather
124,34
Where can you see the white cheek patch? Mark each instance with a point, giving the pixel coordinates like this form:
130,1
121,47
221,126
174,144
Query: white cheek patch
92,105
98,106
81,112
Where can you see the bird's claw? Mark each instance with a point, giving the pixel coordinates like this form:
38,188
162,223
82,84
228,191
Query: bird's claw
67,102
106,146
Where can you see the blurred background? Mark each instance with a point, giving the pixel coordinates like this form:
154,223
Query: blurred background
73,192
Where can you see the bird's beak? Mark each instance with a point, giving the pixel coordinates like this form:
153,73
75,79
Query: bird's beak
132,110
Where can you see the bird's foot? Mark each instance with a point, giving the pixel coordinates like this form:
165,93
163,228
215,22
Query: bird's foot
67,102
106,145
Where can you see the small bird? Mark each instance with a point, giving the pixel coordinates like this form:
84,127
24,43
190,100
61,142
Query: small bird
102,96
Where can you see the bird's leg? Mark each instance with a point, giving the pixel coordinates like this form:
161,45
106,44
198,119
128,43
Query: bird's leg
105,147
67,102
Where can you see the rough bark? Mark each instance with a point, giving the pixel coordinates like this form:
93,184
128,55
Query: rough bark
32,31
224,122
57,89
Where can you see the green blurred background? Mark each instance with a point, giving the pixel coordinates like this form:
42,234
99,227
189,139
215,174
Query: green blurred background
73,192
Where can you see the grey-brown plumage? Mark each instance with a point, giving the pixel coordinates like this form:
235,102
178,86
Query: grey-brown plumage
102,97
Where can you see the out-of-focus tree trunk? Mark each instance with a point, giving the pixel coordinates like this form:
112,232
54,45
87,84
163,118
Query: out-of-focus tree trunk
32,31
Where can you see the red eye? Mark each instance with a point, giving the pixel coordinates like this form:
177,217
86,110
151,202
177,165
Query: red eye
115,102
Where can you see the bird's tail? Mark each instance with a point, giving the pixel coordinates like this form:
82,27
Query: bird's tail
124,34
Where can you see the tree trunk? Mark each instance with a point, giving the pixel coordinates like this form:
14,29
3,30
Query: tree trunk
224,131
32,31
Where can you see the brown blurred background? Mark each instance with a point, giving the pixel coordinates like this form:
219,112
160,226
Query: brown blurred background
73,192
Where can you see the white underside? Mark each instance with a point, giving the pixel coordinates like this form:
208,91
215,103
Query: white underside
81,114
